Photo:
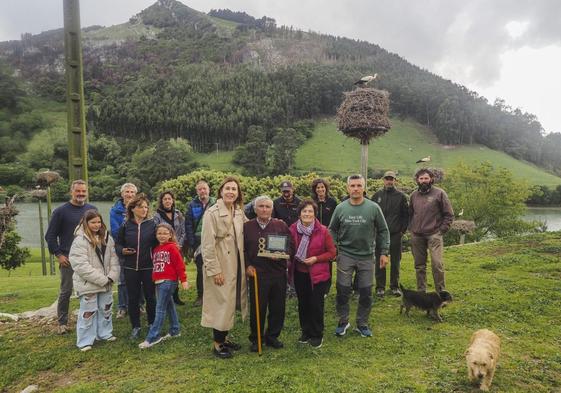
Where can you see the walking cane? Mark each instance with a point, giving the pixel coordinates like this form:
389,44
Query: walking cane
258,319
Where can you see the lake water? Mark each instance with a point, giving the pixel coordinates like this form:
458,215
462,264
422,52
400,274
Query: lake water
28,219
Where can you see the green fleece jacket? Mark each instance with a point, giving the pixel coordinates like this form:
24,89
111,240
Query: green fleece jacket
356,229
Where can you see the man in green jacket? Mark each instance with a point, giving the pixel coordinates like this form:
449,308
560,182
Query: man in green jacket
357,226
396,212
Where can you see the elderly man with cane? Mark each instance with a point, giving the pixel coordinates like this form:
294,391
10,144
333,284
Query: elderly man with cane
267,246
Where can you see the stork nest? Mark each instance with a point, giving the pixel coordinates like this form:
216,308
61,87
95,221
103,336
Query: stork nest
47,178
463,226
364,114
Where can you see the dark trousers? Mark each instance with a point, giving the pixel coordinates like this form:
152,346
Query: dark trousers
272,297
200,277
219,336
137,282
64,294
310,304
395,260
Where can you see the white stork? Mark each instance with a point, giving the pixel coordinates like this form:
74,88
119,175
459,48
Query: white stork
365,80
425,159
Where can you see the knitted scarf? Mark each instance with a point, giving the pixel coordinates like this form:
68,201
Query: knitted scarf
306,232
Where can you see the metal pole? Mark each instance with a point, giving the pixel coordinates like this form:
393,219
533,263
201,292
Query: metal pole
76,119
42,237
49,212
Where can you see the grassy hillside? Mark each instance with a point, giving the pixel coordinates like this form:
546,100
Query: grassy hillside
329,151
510,287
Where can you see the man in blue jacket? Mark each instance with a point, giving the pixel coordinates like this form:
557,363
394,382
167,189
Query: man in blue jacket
117,216
59,237
193,228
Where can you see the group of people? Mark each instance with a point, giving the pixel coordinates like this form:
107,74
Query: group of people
247,256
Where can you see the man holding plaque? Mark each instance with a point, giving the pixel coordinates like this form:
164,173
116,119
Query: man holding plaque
268,246
358,227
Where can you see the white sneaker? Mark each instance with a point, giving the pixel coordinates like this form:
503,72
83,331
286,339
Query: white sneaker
146,344
86,348
111,339
168,336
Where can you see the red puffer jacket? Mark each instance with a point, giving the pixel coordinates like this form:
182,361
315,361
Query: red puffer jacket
321,246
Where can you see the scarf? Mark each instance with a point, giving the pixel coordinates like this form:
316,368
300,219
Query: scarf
166,218
306,232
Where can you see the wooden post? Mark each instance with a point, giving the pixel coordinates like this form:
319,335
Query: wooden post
42,237
364,162
76,119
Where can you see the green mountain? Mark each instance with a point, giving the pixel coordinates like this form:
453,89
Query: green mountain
172,71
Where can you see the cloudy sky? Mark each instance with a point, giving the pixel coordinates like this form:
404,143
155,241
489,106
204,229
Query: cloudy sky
502,48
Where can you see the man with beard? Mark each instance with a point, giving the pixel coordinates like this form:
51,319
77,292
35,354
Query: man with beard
59,237
117,216
430,214
285,207
357,227
396,212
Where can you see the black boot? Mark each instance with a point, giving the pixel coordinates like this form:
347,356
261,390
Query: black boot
176,298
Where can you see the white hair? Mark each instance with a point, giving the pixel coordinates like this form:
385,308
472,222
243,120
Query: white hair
261,198
128,185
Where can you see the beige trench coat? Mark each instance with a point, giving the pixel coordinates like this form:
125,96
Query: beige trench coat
221,243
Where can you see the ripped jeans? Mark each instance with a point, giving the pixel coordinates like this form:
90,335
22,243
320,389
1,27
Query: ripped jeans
94,318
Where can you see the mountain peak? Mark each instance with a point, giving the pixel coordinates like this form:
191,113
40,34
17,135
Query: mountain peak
168,13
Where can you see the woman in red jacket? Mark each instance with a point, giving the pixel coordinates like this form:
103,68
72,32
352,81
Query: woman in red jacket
168,269
310,271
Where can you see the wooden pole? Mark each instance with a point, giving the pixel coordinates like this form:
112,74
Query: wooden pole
258,319
76,118
364,162
42,237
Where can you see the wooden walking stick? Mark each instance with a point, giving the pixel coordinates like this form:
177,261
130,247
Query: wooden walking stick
258,319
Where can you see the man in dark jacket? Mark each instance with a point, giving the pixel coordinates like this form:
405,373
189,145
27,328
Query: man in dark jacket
271,273
117,216
430,216
396,212
59,237
285,207
193,228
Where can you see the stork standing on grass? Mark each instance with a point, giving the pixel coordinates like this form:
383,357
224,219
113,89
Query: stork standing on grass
362,82
425,159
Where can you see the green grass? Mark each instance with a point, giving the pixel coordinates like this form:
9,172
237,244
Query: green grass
122,31
330,152
510,286
221,161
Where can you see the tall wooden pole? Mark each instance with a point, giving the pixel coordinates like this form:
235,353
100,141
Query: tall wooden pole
364,162
76,118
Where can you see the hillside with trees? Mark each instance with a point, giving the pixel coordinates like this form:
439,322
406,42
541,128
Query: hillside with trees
173,72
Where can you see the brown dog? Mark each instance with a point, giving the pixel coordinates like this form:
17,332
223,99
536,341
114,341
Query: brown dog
482,356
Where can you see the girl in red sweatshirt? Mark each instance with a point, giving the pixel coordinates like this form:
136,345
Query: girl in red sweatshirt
168,269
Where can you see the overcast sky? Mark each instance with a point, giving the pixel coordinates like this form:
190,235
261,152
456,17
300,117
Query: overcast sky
501,48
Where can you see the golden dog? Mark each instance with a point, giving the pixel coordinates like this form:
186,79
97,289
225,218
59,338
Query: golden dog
482,356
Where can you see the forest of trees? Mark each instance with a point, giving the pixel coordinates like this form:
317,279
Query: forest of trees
209,84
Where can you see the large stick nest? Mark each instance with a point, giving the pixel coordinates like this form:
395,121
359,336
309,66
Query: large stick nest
463,226
364,114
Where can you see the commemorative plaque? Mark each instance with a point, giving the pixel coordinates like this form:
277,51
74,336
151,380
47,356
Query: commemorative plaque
273,246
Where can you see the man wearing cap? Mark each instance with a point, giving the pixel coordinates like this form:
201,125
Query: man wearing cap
285,207
430,216
396,212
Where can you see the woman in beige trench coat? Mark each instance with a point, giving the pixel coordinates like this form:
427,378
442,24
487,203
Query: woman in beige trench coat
225,286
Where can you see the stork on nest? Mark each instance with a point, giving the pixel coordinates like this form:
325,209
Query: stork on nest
365,80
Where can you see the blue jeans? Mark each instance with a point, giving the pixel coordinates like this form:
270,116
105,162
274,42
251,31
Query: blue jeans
122,291
164,303
94,318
